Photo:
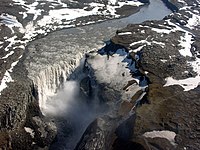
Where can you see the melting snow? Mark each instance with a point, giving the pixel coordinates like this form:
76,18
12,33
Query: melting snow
169,135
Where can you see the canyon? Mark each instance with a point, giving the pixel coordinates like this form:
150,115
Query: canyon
129,83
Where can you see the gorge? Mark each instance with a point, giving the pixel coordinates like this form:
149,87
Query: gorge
88,89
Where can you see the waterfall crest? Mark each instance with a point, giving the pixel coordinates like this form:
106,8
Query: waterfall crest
50,79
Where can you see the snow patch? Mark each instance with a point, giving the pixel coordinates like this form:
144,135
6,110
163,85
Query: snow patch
182,1
7,77
166,31
7,55
140,42
189,83
137,49
163,60
125,33
159,43
186,42
169,135
30,131
194,21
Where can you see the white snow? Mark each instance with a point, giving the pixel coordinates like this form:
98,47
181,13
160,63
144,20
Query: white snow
186,42
182,1
125,33
159,43
140,42
7,55
166,31
7,78
11,41
189,83
30,131
137,49
169,135
194,21
163,60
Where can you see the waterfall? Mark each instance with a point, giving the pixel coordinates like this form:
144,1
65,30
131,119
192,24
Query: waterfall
49,80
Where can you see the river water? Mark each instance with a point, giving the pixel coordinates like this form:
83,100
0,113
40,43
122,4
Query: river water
61,47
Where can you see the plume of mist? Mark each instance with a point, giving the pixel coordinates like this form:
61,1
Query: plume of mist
72,114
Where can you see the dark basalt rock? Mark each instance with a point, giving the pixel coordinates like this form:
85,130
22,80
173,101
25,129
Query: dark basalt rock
86,87
98,135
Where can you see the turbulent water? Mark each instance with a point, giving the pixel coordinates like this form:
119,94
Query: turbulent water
67,108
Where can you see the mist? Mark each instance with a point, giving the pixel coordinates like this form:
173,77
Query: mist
72,113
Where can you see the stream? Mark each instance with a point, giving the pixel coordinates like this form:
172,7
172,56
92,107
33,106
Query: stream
58,56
